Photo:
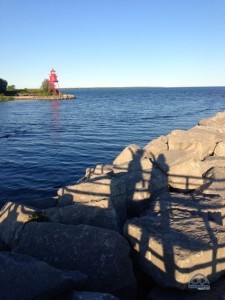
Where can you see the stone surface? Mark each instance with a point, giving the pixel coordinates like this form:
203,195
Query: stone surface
137,164
217,120
211,162
23,277
100,253
183,172
13,216
91,296
214,182
103,215
128,154
157,146
220,149
172,244
199,143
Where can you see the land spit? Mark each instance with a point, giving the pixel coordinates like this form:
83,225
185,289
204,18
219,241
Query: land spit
150,225
53,97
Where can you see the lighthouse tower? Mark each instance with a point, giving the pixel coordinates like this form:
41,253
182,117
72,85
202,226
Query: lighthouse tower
53,82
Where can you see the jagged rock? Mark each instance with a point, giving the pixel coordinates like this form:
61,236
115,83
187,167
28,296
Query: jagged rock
99,170
183,172
157,146
13,216
101,253
214,182
211,162
175,243
95,189
103,215
23,277
198,143
91,296
128,154
220,149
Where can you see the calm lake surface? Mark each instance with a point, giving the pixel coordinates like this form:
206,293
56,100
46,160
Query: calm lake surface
48,144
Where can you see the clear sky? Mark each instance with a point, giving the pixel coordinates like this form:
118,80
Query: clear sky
104,43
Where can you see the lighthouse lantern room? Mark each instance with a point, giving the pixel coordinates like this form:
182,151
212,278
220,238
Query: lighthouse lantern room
53,82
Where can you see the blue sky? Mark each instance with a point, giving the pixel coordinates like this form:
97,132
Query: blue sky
104,43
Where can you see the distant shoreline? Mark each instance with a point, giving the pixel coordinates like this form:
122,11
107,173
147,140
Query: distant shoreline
39,97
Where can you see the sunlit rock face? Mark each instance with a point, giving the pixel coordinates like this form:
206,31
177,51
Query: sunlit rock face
102,253
174,241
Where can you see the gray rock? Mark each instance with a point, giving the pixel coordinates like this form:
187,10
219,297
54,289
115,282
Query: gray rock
100,253
198,143
220,149
157,146
211,162
172,244
103,215
184,173
23,277
91,296
13,216
128,154
214,182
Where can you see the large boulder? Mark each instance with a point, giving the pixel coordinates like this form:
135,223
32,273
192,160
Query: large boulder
13,216
23,277
214,182
183,172
103,215
128,154
101,253
216,121
211,162
172,244
157,146
220,149
198,143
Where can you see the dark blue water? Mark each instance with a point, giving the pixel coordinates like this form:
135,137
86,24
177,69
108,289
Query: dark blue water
48,144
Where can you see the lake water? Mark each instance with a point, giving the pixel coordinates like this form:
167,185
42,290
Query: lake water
48,144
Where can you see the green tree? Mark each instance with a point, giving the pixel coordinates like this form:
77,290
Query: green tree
11,88
46,87
3,85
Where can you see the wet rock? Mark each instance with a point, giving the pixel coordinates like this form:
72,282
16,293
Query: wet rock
198,143
100,253
23,277
157,146
103,215
220,149
184,173
13,216
91,296
174,244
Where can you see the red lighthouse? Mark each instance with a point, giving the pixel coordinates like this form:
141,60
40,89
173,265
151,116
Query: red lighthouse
53,82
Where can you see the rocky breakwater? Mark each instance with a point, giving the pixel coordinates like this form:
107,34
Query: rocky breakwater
151,225
40,97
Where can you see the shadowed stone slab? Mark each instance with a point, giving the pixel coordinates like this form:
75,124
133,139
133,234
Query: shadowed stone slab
101,253
214,182
211,162
13,216
23,277
103,215
174,245
183,172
